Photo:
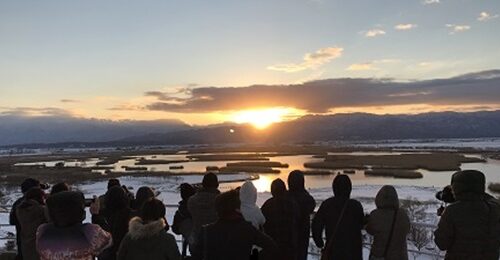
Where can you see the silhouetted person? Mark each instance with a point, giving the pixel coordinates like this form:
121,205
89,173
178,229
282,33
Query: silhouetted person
202,206
249,209
342,220
66,238
114,218
147,237
58,187
231,237
142,195
389,225
102,199
31,213
305,204
281,220
183,222
470,227
26,185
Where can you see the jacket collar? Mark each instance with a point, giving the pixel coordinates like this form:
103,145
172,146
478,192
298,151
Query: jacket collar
138,229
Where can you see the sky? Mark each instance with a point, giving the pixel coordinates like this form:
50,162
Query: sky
206,62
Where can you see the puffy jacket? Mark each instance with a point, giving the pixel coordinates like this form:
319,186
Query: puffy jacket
380,224
249,209
78,242
148,241
30,214
202,209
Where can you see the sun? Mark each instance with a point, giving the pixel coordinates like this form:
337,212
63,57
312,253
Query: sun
261,118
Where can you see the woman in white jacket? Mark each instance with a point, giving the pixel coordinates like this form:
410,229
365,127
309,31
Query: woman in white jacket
250,211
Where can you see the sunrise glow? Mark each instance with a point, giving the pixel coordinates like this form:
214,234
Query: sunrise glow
261,118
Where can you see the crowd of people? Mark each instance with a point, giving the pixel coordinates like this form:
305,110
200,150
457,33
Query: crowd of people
230,225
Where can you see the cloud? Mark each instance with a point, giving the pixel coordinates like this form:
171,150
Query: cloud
485,16
69,101
362,66
458,28
405,26
310,60
374,33
35,111
430,2
323,95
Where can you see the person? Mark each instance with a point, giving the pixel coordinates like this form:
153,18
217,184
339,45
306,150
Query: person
281,220
470,227
231,237
389,225
250,211
183,222
58,187
306,204
65,237
26,185
114,218
202,206
147,237
142,195
342,220
102,199
31,213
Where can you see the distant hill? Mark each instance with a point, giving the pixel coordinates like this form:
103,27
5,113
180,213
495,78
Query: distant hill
355,126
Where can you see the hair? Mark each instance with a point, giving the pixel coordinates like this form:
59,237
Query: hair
278,188
187,190
227,203
210,180
58,187
116,198
113,182
66,208
28,184
152,210
143,194
36,194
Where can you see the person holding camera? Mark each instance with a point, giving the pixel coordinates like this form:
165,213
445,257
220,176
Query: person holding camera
469,228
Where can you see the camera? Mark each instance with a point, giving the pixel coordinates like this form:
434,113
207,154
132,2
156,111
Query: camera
446,195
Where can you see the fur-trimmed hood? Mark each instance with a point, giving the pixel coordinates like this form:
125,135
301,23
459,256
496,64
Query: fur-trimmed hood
138,229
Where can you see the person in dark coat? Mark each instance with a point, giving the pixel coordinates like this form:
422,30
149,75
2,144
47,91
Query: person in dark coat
470,227
183,222
26,185
201,206
58,187
281,215
305,204
347,242
114,218
31,213
65,237
147,237
231,237
142,195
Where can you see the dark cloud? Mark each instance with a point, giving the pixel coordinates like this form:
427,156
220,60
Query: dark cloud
320,96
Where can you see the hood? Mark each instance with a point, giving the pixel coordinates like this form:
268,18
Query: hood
248,193
278,188
342,186
468,181
116,198
138,229
296,181
387,198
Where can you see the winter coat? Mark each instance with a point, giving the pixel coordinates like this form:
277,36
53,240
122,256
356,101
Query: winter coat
249,209
306,204
281,224
380,223
232,239
78,242
202,208
470,227
15,222
30,214
183,223
148,241
347,243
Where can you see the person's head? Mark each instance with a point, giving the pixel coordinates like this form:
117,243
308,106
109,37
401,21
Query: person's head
143,194
468,181
187,190
227,204
387,198
61,186
210,181
296,181
28,184
278,188
113,183
116,198
66,208
342,186
35,194
248,193
152,210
